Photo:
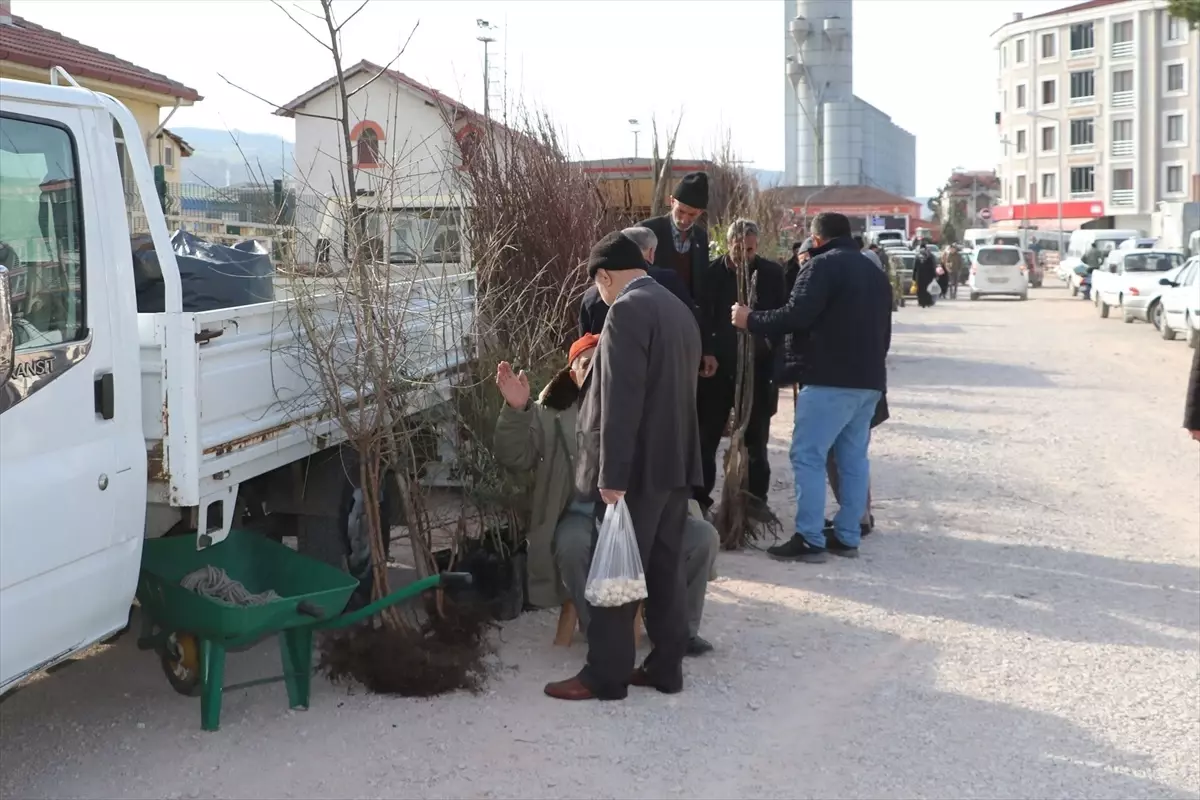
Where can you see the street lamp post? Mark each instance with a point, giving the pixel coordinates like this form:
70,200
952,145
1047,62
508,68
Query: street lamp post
633,123
804,211
485,26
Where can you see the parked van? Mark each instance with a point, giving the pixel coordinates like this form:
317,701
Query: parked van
975,237
999,270
1082,239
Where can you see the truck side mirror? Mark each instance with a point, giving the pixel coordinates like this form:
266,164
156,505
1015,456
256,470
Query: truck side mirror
7,340
1166,282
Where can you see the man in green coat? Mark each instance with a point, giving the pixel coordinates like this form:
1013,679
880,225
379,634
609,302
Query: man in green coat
540,437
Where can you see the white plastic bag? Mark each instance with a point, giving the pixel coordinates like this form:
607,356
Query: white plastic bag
616,575
934,288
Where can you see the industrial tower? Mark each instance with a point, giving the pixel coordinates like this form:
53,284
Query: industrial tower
823,130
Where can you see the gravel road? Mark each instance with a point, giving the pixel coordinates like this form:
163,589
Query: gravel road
1025,624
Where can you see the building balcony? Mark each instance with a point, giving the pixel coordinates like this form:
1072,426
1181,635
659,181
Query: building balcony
1122,149
1122,49
1086,147
1122,99
1122,197
1083,101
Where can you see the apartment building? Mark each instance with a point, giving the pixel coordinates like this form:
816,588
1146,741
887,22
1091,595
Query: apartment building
1099,110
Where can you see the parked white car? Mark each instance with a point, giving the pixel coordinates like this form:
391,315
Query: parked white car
1181,304
1129,277
999,270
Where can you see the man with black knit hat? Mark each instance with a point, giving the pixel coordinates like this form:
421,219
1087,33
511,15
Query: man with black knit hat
683,247
639,441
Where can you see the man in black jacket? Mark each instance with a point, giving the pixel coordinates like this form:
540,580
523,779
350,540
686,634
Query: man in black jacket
593,309
683,244
715,395
843,303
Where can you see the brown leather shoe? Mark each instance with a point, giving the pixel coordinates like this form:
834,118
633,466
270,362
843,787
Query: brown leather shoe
570,689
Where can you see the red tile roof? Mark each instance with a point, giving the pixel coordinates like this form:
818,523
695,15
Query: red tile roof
290,108
31,45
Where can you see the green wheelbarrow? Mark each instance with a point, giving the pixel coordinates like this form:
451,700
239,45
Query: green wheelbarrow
192,633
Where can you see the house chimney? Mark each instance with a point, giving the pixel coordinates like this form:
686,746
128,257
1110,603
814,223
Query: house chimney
6,12
1018,16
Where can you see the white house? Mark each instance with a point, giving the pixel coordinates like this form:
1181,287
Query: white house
406,140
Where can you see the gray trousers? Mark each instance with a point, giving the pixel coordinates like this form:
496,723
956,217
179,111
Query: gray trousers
575,540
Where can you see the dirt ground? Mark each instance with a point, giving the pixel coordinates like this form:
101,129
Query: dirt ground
1026,623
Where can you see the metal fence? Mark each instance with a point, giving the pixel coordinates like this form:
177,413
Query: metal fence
219,213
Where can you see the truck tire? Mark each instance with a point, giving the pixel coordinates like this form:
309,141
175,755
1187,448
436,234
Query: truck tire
1166,331
1192,336
1074,290
1104,308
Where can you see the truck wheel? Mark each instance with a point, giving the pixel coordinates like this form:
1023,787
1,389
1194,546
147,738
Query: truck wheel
1155,315
1074,291
1193,336
1166,331
974,295
1126,317
1104,308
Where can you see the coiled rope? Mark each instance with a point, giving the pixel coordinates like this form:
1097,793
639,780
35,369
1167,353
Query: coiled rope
214,582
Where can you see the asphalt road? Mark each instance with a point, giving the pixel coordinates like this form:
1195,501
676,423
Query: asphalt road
1026,623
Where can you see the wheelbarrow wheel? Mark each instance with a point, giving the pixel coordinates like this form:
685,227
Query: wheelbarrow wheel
180,658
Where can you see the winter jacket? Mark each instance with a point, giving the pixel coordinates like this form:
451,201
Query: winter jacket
1191,411
593,309
843,303
719,292
540,438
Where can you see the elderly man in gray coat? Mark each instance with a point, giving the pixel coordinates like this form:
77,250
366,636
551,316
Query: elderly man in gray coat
639,440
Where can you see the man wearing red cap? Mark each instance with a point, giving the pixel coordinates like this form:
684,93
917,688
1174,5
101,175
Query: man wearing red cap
638,440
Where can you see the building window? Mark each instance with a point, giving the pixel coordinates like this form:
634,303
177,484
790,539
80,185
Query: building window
1122,179
1083,180
1020,55
1083,37
1021,91
1022,145
1048,185
1122,88
168,156
1083,86
1020,187
1173,178
1175,129
368,148
1175,78
1176,29
1003,56
1083,133
1122,39
1122,138
1049,46
1049,93
1049,139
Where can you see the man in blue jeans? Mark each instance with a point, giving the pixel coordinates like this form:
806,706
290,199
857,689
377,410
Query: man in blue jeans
840,316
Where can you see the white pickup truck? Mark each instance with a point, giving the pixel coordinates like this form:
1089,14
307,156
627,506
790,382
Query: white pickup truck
1131,274
116,425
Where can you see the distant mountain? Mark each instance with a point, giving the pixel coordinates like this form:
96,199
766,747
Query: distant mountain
234,157
768,177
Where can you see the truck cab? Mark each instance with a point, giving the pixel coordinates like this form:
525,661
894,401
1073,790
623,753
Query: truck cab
73,476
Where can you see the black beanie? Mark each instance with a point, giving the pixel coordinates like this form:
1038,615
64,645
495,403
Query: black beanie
615,251
693,190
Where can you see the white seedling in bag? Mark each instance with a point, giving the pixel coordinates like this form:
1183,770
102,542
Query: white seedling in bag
616,576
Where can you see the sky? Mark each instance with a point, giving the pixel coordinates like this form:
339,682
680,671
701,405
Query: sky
592,64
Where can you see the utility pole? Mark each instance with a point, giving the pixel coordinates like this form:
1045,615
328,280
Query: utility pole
486,27
633,123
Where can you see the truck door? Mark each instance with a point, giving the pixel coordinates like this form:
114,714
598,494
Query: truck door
66,575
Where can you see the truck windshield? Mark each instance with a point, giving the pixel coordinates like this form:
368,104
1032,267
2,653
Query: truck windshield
1152,262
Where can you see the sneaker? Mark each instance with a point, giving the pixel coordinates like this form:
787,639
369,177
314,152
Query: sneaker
834,545
797,549
697,646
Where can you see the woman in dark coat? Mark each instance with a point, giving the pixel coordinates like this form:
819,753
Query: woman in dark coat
924,273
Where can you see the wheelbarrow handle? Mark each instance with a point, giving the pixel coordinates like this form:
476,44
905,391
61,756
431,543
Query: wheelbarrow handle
398,596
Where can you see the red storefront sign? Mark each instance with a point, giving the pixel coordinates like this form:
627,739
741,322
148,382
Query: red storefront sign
910,210
1077,209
